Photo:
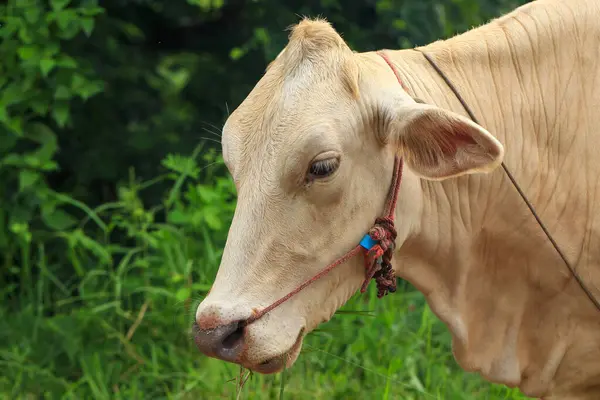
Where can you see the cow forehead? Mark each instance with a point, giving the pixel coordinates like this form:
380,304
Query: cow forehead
304,89
275,123
278,100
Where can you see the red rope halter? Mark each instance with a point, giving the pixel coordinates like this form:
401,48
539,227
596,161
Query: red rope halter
378,245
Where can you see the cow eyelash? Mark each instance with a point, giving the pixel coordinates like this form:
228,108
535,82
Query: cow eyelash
323,168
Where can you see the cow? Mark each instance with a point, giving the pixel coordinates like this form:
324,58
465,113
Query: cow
311,150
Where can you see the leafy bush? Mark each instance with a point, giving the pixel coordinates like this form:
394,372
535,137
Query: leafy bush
74,334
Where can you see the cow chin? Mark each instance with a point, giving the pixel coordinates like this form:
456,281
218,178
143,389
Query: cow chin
276,364
320,311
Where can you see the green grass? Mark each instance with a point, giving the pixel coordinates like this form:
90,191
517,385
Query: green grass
402,352
103,311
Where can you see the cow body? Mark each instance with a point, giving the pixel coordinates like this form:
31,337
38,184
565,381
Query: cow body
466,239
516,313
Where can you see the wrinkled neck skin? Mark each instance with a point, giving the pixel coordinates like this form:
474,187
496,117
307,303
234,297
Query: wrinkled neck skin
486,268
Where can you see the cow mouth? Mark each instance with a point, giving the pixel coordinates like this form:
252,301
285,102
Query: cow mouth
278,363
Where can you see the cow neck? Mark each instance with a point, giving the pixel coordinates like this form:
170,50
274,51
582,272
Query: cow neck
510,176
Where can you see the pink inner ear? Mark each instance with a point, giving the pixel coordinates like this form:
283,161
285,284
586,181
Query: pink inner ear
458,137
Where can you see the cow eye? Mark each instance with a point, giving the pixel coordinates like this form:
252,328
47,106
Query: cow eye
323,168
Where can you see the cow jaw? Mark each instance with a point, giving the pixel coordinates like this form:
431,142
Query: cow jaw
277,337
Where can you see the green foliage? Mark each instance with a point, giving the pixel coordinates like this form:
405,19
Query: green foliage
39,84
111,230
90,314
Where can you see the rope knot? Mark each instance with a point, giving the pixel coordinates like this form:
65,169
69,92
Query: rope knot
383,230
378,258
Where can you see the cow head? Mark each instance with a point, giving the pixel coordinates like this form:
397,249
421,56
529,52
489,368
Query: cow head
311,151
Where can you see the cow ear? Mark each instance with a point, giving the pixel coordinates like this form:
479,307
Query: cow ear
438,144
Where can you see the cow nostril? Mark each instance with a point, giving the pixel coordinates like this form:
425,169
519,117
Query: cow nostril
234,338
225,342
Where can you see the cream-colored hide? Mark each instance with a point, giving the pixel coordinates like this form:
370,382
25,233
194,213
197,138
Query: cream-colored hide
311,151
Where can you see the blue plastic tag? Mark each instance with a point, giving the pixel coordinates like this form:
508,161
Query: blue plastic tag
367,242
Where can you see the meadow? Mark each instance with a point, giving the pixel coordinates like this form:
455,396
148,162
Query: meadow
115,203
